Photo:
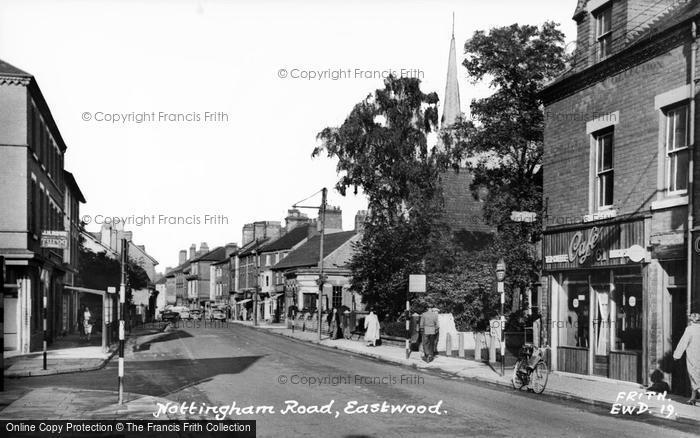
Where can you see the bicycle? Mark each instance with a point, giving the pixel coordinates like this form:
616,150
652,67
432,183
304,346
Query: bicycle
531,370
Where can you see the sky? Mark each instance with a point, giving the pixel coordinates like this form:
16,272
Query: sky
205,112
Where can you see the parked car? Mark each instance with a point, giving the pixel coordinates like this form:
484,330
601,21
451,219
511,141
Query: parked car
196,314
169,315
218,315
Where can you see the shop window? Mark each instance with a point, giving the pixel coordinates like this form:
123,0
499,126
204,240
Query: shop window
573,311
677,139
603,34
310,301
628,309
605,172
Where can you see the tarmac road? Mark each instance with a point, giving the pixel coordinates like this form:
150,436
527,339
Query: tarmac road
217,366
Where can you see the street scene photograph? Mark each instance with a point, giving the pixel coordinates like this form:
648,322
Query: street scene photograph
371,218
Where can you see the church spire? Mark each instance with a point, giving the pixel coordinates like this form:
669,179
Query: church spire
451,108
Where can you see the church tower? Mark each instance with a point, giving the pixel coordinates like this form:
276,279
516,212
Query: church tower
463,213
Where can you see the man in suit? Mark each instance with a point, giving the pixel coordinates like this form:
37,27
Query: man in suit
429,330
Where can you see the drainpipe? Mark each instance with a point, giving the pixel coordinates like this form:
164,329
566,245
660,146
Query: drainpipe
691,163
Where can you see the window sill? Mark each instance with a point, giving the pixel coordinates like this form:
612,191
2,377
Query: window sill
671,202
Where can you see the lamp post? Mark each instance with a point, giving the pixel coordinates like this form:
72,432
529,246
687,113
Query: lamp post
257,285
321,278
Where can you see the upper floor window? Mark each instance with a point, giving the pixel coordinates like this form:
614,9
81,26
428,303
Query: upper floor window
677,138
603,31
605,172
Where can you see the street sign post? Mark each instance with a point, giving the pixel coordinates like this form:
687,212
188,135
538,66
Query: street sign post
416,284
523,216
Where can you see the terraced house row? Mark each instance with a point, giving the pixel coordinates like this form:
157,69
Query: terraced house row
275,267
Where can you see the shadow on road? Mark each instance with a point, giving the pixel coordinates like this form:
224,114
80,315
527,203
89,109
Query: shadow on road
170,336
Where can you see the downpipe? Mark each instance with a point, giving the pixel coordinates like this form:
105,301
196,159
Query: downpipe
691,164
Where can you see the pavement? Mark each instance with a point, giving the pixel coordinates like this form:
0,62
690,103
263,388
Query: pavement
68,355
231,364
593,390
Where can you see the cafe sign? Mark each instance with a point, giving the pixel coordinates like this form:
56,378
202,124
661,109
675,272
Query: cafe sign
607,245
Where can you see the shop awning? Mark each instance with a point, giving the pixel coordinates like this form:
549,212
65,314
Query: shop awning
243,301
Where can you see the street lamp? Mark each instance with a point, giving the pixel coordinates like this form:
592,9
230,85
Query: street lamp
321,277
257,285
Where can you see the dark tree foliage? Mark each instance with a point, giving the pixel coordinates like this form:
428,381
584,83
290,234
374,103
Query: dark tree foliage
382,147
504,137
98,271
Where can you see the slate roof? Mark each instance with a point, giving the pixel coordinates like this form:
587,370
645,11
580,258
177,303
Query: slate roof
254,245
288,241
215,255
307,254
70,180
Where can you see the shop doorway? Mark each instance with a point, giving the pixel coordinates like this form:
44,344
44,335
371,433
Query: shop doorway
680,383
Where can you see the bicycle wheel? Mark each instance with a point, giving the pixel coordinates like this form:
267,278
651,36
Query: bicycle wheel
516,379
538,378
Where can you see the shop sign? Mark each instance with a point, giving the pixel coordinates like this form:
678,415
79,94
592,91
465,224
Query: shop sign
54,239
603,245
582,248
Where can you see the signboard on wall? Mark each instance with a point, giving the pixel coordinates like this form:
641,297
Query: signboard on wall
54,239
603,245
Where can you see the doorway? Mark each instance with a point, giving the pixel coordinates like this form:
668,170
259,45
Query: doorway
680,383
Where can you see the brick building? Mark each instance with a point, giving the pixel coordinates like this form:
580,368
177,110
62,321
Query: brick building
619,130
38,197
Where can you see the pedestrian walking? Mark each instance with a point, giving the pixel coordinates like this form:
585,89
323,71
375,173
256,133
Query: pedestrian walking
429,331
690,345
371,329
87,322
80,323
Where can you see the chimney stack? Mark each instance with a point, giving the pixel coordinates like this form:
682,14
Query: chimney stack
193,251
334,220
203,249
182,258
294,219
248,234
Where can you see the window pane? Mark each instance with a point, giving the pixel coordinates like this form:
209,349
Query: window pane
605,189
607,152
681,180
681,128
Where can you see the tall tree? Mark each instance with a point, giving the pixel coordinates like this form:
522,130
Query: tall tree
504,137
382,147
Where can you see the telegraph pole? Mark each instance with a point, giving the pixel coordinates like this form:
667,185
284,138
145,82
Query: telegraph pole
321,280
122,309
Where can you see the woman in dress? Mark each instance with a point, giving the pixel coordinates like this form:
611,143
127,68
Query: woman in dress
690,345
87,322
371,329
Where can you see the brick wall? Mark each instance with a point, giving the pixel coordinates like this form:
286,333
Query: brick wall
462,211
567,145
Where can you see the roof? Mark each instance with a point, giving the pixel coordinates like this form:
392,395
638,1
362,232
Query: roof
162,280
289,240
9,70
215,255
673,17
70,181
11,74
308,253
252,246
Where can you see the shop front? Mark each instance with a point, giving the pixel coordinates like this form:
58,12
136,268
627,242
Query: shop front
598,288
